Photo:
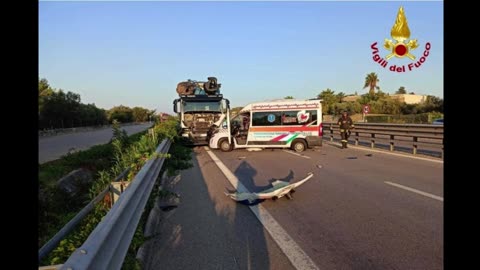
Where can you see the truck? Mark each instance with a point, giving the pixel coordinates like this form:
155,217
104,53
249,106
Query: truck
200,107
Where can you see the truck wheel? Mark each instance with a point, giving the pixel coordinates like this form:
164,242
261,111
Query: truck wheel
224,145
298,146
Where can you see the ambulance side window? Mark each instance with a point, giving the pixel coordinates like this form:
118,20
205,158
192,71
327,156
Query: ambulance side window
290,118
266,119
313,117
299,117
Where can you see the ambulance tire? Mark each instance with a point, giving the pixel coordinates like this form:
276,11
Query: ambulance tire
224,145
299,145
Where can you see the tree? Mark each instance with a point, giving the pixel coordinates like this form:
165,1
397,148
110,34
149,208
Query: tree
340,96
288,97
329,99
61,109
43,85
380,95
371,81
44,92
122,114
152,116
433,103
401,90
409,108
140,114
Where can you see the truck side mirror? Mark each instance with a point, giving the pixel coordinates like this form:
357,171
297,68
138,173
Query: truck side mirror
175,105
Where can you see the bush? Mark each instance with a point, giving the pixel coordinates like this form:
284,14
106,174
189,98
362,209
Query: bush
126,154
423,118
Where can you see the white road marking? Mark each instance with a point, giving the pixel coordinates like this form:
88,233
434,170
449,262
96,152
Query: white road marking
294,253
296,154
389,153
416,191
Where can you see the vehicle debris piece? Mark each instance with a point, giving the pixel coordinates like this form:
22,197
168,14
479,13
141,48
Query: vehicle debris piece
279,189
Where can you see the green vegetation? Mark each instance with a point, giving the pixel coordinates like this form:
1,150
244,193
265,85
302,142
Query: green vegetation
55,207
420,118
179,159
60,109
124,114
371,82
391,109
123,152
401,90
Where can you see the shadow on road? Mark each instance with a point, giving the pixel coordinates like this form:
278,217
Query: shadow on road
208,230
246,173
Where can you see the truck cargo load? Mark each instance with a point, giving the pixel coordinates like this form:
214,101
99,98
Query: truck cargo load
200,106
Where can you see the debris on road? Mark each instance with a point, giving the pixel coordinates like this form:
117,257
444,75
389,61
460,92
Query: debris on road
279,189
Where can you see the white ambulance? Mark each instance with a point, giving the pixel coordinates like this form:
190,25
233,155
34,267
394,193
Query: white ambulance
287,123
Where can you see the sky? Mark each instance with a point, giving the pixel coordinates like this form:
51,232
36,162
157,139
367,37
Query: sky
135,53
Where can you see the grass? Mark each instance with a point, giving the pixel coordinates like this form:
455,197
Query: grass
97,158
105,161
55,209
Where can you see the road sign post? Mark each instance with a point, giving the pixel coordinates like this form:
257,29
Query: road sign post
365,110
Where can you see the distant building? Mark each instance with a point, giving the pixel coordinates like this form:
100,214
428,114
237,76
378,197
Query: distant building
410,98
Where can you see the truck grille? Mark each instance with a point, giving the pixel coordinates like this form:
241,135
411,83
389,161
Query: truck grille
202,125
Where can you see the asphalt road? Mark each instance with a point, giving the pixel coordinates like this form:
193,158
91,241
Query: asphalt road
51,148
209,231
361,210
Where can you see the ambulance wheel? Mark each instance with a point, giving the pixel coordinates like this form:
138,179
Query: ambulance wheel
298,145
224,145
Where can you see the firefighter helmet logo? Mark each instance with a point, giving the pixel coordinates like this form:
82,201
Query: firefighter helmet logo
400,33
400,47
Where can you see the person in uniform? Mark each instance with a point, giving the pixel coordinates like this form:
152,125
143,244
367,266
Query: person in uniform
346,124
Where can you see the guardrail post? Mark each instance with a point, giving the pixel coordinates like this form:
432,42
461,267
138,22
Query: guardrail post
107,245
356,138
392,140
112,197
372,144
55,240
331,132
415,145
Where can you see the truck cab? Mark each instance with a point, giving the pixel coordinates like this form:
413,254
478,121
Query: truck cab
198,112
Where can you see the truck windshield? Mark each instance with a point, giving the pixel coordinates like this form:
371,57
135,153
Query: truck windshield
207,106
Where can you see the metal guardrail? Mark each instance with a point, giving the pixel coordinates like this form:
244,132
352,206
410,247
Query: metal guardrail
107,245
55,240
433,134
